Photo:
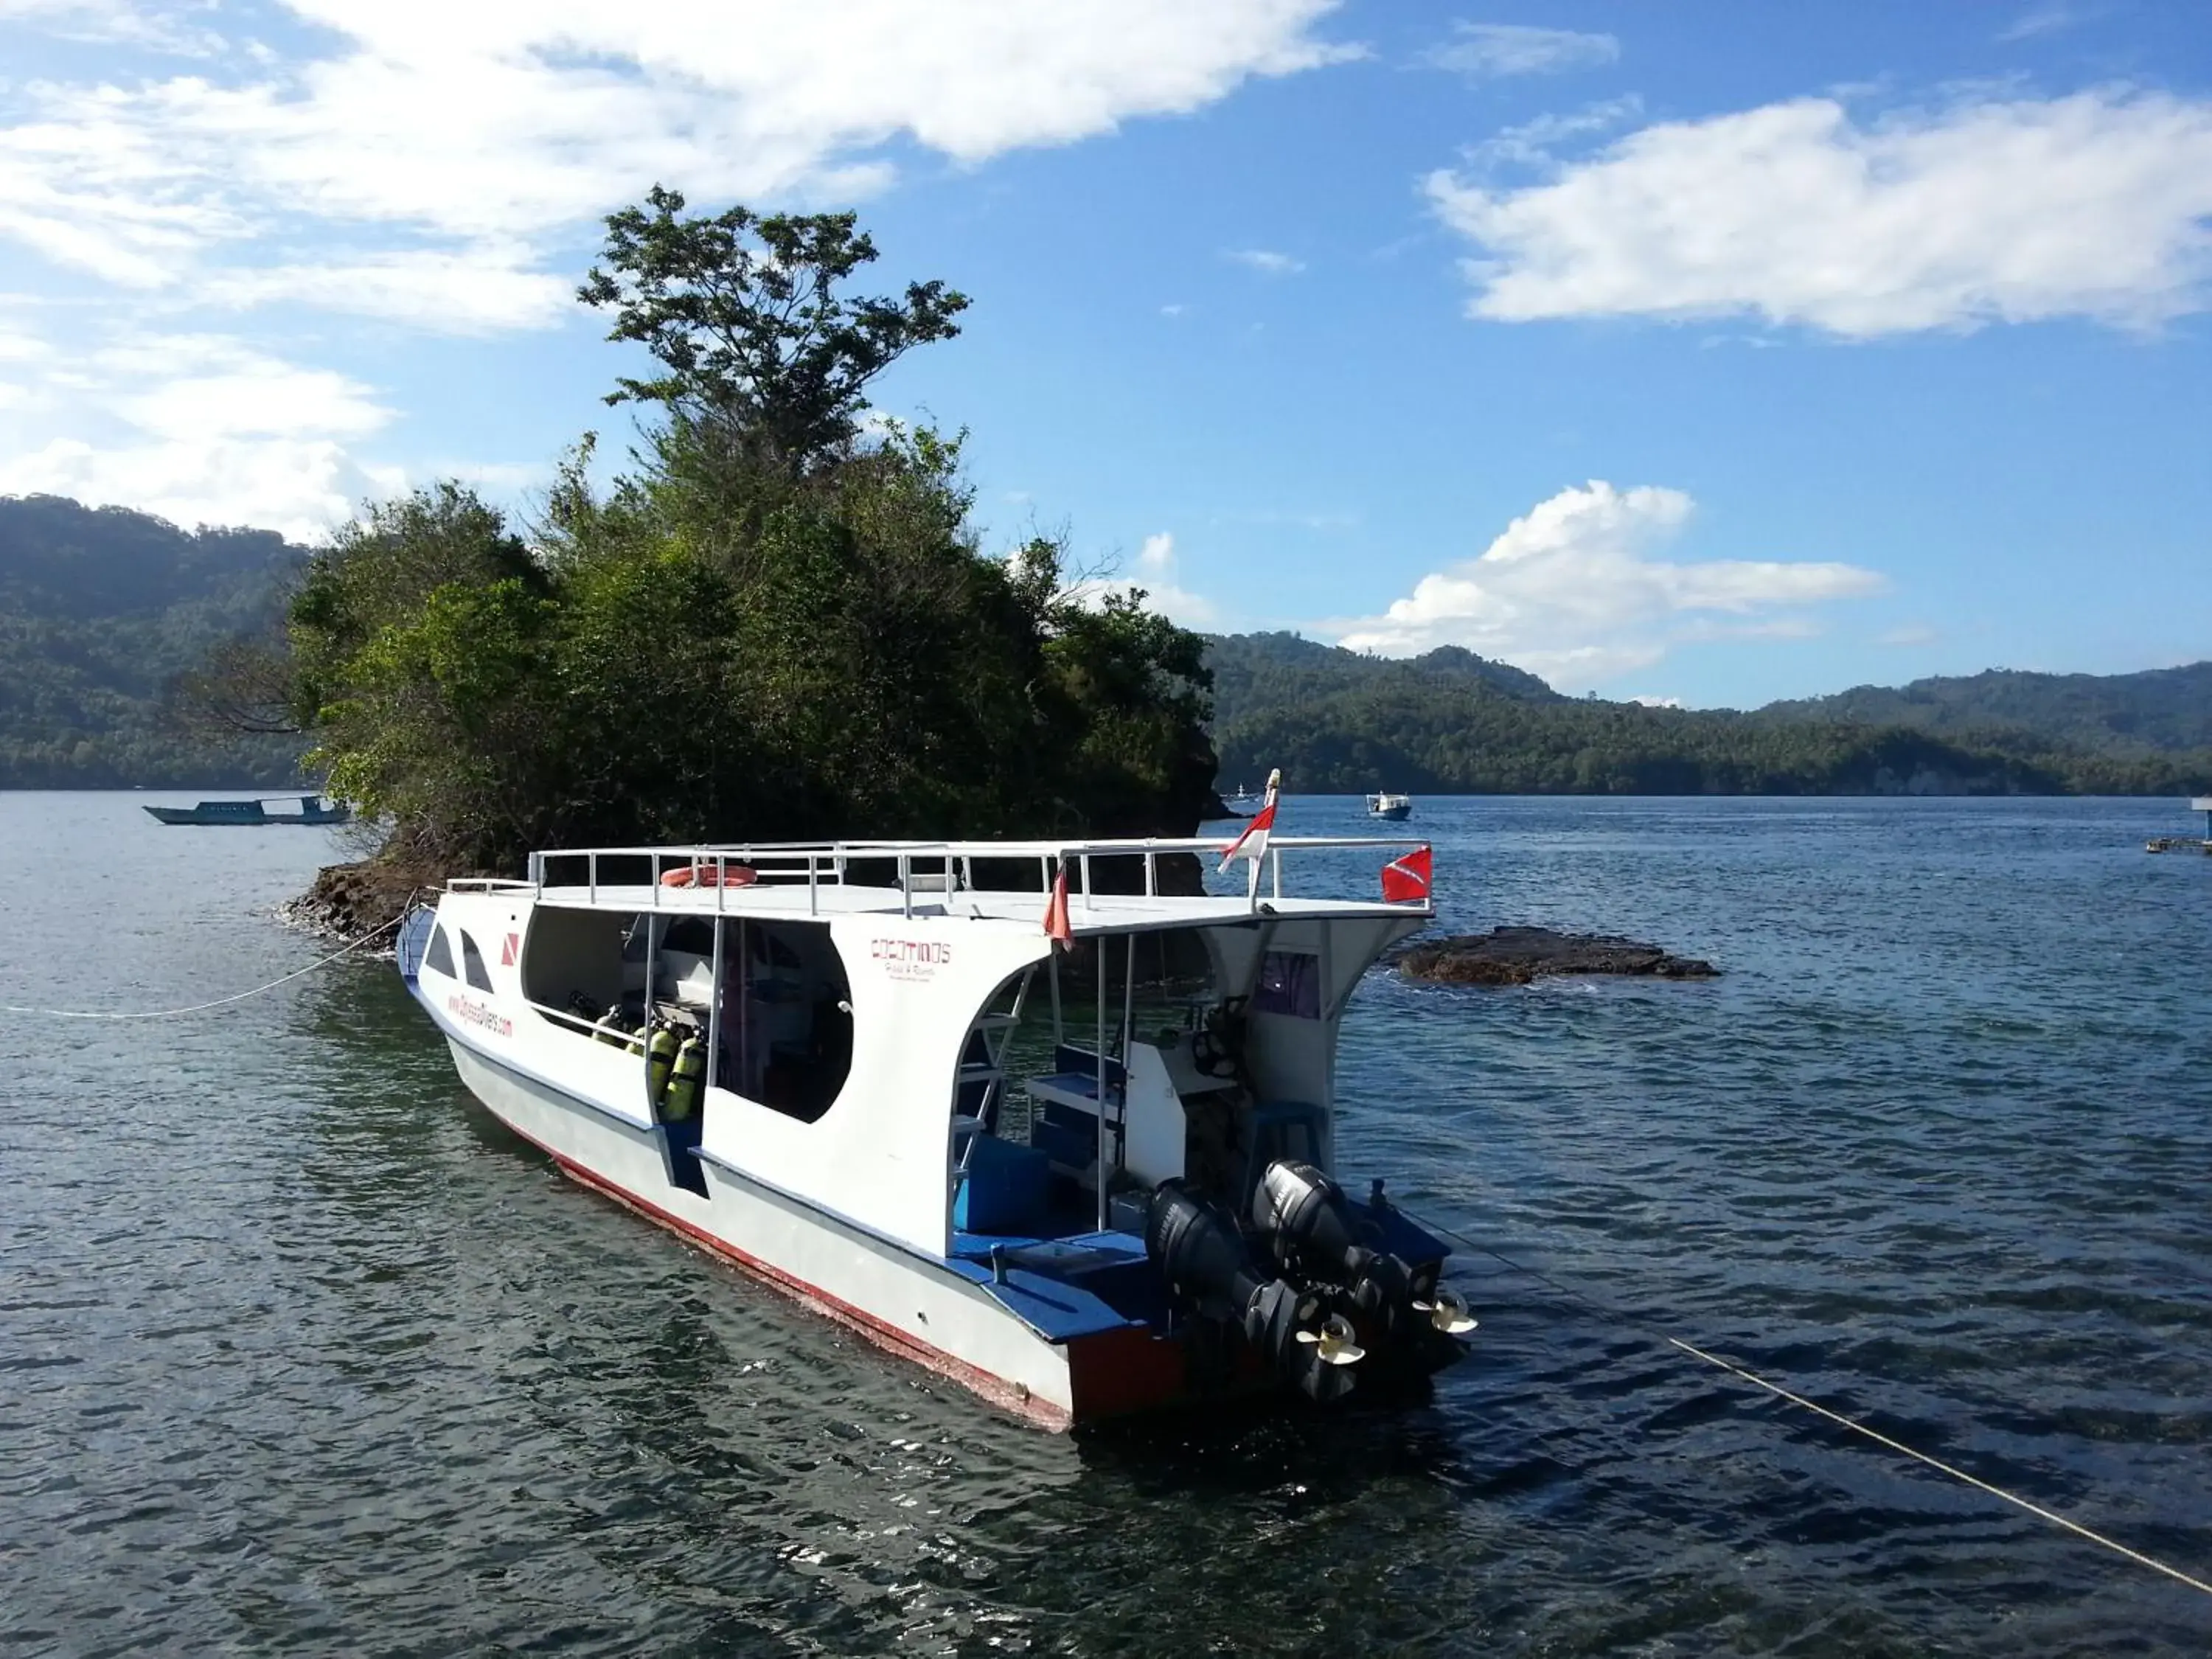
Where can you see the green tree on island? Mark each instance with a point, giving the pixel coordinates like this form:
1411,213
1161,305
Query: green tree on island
776,624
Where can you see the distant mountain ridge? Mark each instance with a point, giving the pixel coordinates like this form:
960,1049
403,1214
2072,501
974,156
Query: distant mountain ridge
2158,710
102,608
1450,721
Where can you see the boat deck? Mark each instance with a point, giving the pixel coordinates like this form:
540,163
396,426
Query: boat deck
1069,1286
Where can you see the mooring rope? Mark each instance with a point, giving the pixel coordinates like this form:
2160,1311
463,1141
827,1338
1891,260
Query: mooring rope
201,1007
1652,1332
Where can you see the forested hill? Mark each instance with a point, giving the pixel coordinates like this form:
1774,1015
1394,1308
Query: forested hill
1258,671
2162,710
1449,722
100,610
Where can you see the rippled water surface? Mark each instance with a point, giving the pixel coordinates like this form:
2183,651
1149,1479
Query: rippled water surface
301,1353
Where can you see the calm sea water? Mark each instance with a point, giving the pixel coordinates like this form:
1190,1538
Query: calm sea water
301,1353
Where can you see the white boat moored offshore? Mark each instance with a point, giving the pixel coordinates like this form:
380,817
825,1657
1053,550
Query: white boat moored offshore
908,1084
1395,808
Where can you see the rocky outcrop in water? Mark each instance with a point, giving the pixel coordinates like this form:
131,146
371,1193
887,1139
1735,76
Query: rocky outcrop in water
1515,955
347,901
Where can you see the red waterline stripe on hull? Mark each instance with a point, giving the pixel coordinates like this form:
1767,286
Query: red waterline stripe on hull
1012,1396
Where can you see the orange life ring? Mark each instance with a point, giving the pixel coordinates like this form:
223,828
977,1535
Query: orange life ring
707,875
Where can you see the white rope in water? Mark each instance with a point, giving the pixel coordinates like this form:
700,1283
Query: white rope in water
1880,1438
201,1007
1837,1417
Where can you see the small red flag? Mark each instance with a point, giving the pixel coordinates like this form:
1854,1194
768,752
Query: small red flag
510,950
1056,926
1406,878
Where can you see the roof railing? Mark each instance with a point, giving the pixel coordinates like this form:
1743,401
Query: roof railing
929,868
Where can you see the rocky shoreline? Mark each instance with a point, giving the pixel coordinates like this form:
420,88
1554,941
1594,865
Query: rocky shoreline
1518,956
349,900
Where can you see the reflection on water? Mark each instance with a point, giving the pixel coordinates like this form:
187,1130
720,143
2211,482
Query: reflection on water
301,1353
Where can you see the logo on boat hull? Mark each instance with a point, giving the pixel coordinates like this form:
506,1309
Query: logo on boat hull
478,1015
911,959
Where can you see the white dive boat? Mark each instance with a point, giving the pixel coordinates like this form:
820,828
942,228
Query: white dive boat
823,1087
1396,808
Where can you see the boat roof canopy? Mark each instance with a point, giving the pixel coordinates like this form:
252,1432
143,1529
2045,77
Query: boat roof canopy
1113,886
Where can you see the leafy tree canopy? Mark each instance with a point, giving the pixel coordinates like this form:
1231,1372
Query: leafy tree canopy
743,312
769,628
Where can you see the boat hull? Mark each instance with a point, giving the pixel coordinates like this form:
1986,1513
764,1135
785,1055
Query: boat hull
199,814
1391,814
920,1309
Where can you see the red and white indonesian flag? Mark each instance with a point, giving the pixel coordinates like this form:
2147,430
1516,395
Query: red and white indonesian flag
1253,843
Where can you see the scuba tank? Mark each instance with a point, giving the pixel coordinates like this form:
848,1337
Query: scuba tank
685,1082
660,1061
610,1031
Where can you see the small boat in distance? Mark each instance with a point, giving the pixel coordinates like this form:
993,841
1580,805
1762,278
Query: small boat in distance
1396,808
2186,843
313,810
1241,804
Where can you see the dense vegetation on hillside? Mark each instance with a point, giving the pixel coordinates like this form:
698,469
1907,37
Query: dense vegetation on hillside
100,610
776,626
1449,722
2160,711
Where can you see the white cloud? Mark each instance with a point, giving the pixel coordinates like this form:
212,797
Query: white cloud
2091,205
1155,575
18,347
1649,699
174,29
456,293
1911,634
1569,591
198,428
2048,19
502,123
269,399
441,167
1530,143
1266,261
1483,51
302,488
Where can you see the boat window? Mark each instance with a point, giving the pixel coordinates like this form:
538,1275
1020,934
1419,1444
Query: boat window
572,962
1290,983
472,961
787,1018
440,956
693,935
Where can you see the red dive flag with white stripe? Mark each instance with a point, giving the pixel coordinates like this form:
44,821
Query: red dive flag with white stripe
1253,842
1406,878
1056,926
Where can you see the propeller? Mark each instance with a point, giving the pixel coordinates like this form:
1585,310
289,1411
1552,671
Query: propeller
1447,1313
1332,1344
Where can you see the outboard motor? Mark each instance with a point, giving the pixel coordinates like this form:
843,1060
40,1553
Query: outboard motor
1303,1215
1204,1257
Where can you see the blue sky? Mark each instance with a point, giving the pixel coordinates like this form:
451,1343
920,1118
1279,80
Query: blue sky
1703,352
